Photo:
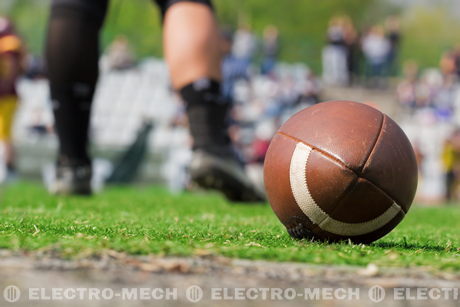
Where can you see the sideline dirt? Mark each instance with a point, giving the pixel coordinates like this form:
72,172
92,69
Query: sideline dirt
116,271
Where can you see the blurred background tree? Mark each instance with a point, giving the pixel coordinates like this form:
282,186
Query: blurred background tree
427,30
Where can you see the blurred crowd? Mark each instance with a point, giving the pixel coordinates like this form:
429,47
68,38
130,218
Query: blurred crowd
433,88
265,92
368,56
430,98
12,56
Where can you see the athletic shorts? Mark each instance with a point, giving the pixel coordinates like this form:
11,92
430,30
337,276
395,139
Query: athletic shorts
98,8
165,4
8,107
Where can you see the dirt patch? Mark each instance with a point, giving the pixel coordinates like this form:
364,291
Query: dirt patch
116,271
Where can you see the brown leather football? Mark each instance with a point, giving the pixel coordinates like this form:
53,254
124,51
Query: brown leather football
340,170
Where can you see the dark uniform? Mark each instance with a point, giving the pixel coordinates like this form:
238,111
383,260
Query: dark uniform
72,54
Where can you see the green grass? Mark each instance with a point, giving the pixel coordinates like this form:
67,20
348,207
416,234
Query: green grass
151,221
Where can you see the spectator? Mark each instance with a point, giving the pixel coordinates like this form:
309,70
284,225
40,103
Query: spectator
264,132
270,49
406,91
376,48
393,34
352,49
120,55
309,90
244,46
447,64
457,60
428,87
335,68
232,68
11,67
451,162
34,68
444,99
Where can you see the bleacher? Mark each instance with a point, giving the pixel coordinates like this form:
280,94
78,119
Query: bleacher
124,99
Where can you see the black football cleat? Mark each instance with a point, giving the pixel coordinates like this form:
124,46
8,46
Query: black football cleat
223,173
72,180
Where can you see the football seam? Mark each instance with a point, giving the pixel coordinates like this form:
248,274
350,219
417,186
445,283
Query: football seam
358,173
325,153
319,216
351,186
373,146
328,155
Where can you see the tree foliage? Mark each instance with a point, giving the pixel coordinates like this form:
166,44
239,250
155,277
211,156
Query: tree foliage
302,24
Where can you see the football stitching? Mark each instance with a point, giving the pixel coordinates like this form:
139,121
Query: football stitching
325,153
316,214
328,155
373,146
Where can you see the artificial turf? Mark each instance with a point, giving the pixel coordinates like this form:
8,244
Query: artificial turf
149,220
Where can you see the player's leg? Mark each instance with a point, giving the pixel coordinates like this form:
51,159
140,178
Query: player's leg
72,54
191,43
193,53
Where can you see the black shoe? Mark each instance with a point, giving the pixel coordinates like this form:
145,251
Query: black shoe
72,180
225,174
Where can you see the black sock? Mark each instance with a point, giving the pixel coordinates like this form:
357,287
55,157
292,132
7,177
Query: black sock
207,112
72,53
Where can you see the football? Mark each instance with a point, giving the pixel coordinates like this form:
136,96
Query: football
340,170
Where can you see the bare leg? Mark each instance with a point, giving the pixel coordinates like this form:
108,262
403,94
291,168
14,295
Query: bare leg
191,43
192,47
